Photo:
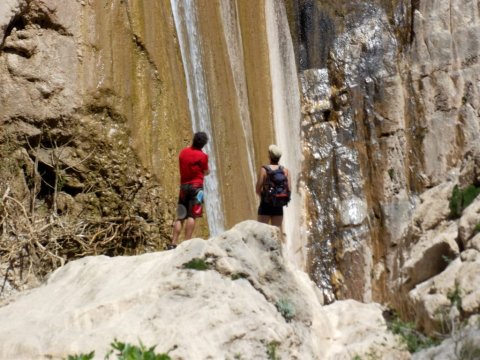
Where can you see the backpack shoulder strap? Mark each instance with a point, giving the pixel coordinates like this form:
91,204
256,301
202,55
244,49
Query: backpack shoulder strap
267,169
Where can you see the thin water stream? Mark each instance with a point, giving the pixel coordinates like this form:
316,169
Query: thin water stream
184,13
287,118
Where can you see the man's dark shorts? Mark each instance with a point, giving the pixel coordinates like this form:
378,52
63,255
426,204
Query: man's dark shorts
269,210
191,197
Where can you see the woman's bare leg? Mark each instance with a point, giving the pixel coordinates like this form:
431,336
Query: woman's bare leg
277,221
264,219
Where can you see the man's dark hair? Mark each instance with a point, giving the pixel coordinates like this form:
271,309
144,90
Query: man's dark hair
200,139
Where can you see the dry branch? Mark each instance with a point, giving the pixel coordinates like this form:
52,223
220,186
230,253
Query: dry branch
34,245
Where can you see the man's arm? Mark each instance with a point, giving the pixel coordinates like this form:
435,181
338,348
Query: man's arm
206,169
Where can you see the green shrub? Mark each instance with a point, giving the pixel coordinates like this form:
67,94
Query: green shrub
476,229
272,350
286,308
414,339
447,259
469,351
391,173
236,276
461,198
88,356
196,264
125,351
455,296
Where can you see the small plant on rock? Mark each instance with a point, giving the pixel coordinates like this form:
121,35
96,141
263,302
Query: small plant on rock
286,308
469,351
126,351
196,264
455,296
414,339
236,276
447,259
391,173
476,229
461,198
272,351
88,356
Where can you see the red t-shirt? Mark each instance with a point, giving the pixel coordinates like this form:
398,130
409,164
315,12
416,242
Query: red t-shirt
193,163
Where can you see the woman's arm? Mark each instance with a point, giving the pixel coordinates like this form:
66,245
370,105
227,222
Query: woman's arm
289,180
260,181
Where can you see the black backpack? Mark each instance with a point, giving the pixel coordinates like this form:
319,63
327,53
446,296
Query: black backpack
275,189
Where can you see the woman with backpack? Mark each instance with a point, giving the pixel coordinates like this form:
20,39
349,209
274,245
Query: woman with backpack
273,187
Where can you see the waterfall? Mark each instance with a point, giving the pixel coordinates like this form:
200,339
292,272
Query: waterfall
184,13
287,118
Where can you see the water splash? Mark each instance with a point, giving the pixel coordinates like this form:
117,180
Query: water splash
184,14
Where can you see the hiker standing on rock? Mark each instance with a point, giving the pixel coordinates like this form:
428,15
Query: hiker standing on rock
273,187
193,163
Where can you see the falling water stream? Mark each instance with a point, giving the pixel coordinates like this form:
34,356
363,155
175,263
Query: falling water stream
286,109
184,13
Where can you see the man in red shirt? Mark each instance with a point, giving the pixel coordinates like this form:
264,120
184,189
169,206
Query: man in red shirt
193,167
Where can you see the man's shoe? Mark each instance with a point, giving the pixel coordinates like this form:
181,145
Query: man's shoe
171,246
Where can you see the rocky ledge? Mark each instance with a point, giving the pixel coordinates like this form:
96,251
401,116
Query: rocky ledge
234,296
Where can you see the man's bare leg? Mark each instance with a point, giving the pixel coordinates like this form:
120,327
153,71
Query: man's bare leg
177,228
189,227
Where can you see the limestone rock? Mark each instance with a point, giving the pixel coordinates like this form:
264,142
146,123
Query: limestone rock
249,298
470,171
456,286
430,255
463,345
433,208
8,8
364,322
474,242
469,221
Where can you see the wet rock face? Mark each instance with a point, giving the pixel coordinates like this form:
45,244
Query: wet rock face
389,111
345,133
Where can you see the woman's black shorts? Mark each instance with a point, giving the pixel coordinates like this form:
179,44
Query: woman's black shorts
269,210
